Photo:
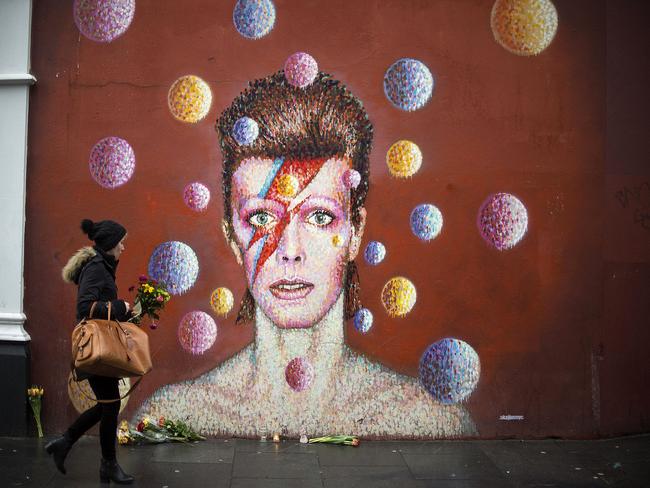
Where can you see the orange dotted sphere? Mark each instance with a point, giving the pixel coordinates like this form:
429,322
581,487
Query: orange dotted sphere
524,27
189,99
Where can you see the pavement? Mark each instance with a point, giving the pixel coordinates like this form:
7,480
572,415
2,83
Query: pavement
239,463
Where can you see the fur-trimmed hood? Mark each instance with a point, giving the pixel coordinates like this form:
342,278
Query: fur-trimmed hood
72,269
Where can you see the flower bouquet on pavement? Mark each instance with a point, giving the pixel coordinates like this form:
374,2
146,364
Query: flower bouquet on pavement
35,394
152,431
149,300
345,440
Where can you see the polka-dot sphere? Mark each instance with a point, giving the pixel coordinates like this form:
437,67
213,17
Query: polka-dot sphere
408,84
196,196
189,99
449,370
103,20
300,70
363,320
254,18
197,332
351,178
426,221
524,27
112,162
288,186
245,131
375,253
398,296
222,301
404,159
502,220
175,264
299,374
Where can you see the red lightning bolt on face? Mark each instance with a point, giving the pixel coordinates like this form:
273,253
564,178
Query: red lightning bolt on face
304,171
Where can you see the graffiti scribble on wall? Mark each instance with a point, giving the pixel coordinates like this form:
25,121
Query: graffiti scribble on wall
295,179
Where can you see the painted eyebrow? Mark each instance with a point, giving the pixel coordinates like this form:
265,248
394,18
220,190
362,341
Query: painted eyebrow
248,204
313,201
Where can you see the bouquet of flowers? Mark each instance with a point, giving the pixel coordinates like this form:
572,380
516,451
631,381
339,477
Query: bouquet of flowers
163,430
35,394
347,440
150,298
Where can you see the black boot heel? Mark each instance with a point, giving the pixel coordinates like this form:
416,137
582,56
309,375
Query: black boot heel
111,471
59,449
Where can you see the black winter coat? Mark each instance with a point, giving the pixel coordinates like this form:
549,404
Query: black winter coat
96,280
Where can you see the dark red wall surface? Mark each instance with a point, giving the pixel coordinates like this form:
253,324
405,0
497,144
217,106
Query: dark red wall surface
560,322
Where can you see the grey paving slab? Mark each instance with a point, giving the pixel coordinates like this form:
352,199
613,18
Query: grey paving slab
375,483
439,447
413,483
276,483
246,445
25,475
452,467
276,465
621,463
366,472
199,452
370,454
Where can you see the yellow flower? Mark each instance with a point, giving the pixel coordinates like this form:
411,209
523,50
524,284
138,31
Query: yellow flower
146,421
35,391
124,426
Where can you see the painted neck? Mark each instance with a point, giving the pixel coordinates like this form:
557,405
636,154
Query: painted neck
325,337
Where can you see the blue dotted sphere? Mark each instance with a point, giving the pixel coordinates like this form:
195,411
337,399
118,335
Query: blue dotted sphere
408,84
363,320
449,370
254,18
426,221
245,131
175,264
375,253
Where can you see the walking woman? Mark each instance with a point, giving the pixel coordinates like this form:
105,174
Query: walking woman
93,270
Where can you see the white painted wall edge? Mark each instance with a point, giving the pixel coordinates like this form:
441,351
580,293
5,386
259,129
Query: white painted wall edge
17,79
11,327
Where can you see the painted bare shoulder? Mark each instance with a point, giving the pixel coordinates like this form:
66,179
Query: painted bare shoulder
387,403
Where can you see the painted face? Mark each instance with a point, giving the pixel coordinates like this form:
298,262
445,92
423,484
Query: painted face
292,225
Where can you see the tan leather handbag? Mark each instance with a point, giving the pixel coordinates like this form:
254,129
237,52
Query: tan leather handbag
110,348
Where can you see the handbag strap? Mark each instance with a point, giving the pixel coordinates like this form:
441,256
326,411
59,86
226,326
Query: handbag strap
133,387
92,309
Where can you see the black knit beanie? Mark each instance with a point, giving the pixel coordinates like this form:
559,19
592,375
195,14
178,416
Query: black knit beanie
106,233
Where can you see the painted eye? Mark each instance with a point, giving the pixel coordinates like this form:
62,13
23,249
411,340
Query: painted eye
321,218
261,219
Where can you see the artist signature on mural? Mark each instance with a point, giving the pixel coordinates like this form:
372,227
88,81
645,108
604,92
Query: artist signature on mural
638,199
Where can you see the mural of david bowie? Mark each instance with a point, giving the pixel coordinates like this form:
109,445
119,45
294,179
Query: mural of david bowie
295,227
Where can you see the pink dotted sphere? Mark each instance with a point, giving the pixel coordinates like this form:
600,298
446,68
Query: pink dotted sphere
196,196
351,178
502,220
299,374
300,69
197,332
112,162
103,20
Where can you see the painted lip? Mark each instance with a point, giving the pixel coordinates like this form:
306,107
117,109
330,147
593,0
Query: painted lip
293,289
